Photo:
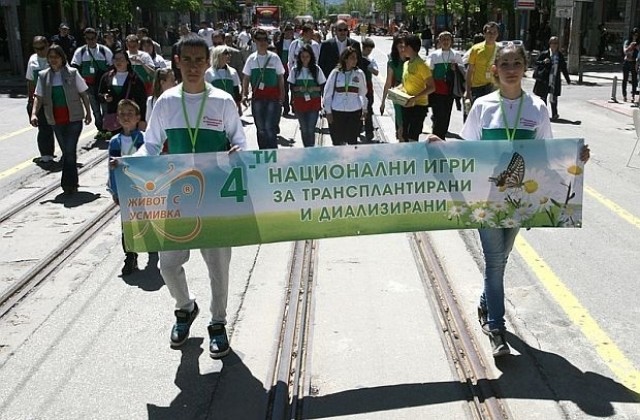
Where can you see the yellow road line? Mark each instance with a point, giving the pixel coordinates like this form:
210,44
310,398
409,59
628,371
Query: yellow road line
15,133
29,162
613,357
613,207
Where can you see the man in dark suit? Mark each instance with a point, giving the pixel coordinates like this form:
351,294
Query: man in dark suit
330,49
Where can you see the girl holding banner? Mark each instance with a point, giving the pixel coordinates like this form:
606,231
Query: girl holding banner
506,114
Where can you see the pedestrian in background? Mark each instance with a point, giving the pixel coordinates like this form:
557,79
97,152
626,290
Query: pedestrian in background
93,60
630,50
443,63
345,99
417,81
222,75
63,94
306,80
121,82
162,81
178,117
507,114
427,39
283,48
481,58
141,62
395,66
127,142
265,72
37,63
111,42
147,46
550,64
331,50
370,68
64,39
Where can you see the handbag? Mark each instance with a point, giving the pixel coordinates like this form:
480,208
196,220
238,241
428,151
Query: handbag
110,120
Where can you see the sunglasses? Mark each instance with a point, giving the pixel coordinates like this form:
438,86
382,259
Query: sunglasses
90,38
39,48
260,39
342,30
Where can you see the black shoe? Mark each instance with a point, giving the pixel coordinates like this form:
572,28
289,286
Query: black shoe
130,263
499,346
219,342
180,330
483,315
70,189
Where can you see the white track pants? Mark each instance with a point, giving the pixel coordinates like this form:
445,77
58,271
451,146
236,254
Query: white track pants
217,260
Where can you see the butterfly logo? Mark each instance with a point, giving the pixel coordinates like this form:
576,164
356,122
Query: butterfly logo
513,176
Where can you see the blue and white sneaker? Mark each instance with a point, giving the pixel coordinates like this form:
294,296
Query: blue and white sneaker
219,342
180,330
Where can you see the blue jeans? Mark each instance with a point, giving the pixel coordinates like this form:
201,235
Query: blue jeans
496,245
68,135
308,121
266,114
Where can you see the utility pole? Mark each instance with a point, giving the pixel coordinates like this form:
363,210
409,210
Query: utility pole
10,11
575,37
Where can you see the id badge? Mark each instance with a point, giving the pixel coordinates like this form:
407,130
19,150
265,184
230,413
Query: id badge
488,75
92,70
261,86
307,97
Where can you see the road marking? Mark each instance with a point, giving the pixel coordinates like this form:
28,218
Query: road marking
635,221
15,133
612,356
29,162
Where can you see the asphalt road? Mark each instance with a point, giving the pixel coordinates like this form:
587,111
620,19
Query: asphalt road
572,298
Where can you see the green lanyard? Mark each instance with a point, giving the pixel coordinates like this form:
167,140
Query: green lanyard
511,134
223,79
263,68
193,133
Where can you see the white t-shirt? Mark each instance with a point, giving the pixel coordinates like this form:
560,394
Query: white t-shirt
243,39
56,80
486,122
34,66
205,34
143,57
294,50
219,119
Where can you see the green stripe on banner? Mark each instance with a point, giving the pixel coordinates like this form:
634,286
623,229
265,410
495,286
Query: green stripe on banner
205,200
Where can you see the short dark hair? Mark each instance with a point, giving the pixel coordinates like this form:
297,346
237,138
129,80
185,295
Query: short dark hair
260,33
413,42
90,31
59,51
143,30
193,41
307,27
368,42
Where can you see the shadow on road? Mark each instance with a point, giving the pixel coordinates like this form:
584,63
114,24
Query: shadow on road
235,393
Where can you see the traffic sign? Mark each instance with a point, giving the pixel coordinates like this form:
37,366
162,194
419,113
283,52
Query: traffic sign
526,4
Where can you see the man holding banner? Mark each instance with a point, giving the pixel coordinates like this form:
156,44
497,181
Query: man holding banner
217,128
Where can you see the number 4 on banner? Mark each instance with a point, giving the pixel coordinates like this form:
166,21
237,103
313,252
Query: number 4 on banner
234,186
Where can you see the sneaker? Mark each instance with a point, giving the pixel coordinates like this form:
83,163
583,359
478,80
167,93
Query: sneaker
180,330
219,342
499,346
130,263
483,315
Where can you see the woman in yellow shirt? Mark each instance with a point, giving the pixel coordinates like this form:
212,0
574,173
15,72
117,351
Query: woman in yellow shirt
417,81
